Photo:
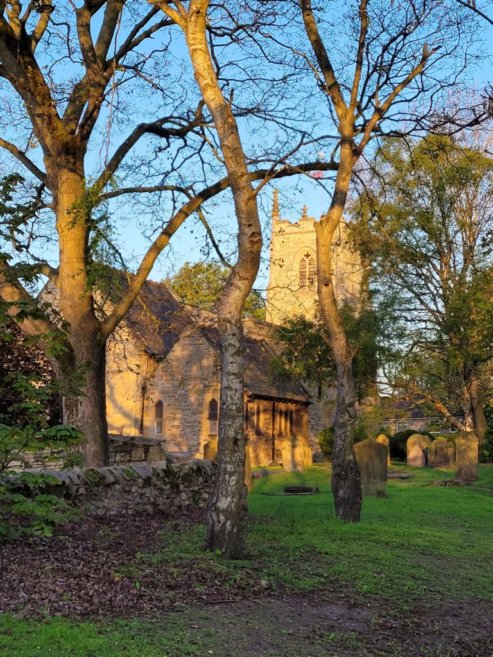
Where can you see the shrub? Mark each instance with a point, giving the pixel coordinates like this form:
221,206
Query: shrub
26,508
399,440
486,445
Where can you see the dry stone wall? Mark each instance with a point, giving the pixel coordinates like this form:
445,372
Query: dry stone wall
136,488
122,450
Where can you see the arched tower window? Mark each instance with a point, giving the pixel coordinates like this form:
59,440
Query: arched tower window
307,270
213,417
158,418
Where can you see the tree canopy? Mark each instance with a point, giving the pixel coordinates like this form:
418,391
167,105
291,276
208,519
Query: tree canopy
426,224
201,283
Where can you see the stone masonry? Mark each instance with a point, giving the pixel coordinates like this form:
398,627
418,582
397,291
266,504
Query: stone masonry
137,488
292,288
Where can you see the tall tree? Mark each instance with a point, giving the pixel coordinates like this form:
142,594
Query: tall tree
68,66
62,113
201,23
224,509
385,77
427,225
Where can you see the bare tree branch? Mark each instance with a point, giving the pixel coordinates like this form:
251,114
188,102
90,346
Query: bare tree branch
22,157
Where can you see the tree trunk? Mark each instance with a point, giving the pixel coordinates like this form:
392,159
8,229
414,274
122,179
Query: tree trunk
227,504
346,484
478,418
87,409
465,375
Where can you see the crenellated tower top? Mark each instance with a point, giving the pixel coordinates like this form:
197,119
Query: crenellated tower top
292,288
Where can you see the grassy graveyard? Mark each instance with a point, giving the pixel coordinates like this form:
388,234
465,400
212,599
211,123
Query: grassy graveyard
413,578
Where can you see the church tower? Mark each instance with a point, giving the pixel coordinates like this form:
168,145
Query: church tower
292,287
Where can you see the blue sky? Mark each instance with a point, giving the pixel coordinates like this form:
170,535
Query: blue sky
187,245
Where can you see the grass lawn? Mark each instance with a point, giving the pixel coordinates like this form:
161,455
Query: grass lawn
423,547
406,544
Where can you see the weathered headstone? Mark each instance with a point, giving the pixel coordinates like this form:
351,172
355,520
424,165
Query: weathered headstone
383,440
441,453
302,453
371,458
288,448
466,456
417,447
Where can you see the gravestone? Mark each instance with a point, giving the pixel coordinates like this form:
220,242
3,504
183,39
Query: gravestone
288,448
441,453
466,456
210,450
371,458
417,447
383,440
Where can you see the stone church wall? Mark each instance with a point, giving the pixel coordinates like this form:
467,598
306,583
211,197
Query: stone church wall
320,414
128,370
186,381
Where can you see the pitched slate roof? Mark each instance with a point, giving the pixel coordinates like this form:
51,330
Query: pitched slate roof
258,379
158,319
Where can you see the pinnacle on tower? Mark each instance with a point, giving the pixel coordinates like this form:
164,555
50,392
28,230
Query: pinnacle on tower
275,205
304,212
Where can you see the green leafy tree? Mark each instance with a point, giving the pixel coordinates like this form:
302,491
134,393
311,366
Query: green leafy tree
427,226
201,283
29,392
305,352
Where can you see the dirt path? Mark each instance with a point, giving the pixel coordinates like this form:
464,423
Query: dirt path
314,626
95,570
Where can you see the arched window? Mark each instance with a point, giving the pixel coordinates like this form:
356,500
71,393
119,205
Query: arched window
213,417
291,423
158,418
307,270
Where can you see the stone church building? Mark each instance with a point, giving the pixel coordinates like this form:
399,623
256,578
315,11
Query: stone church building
293,272
163,363
163,382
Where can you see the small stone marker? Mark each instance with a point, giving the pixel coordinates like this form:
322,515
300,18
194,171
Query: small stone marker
301,490
383,440
441,453
466,456
417,447
371,458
